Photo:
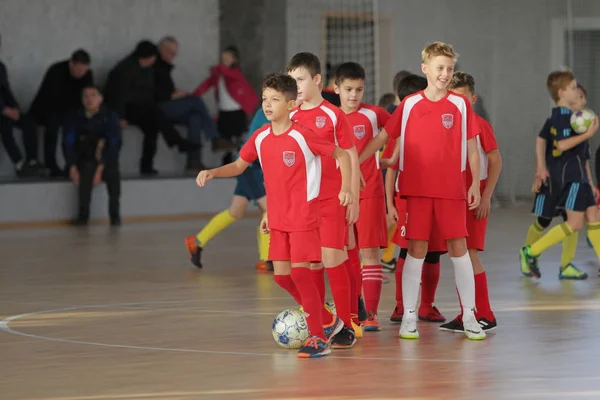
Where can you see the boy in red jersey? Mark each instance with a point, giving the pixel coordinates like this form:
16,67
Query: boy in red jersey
489,172
396,205
437,131
329,122
370,231
289,156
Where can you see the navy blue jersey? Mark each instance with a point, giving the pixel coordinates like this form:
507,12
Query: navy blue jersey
564,166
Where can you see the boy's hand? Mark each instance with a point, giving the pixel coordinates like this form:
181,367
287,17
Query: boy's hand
385,163
595,191
593,128
537,184
363,183
346,197
204,176
392,215
98,174
542,174
264,224
473,197
483,210
352,212
74,174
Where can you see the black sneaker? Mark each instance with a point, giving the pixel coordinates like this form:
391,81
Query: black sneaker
345,339
487,325
115,221
362,310
389,266
455,325
194,250
314,347
80,221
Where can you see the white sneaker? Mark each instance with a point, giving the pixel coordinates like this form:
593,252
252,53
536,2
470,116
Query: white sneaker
408,328
473,330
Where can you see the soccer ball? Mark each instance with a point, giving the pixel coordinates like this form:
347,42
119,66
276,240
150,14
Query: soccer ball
582,119
290,329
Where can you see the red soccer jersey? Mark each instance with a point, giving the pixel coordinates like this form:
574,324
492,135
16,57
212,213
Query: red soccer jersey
329,122
486,142
433,145
366,123
291,165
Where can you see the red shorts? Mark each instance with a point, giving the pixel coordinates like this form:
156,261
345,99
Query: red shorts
372,224
477,230
334,230
436,243
444,216
297,247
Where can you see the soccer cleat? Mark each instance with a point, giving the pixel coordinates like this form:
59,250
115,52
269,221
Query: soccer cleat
372,323
473,331
397,315
264,266
358,330
389,266
362,311
432,315
455,325
194,250
529,263
345,339
487,325
571,272
385,279
314,347
333,328
408,328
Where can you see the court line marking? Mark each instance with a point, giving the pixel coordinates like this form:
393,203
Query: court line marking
4,326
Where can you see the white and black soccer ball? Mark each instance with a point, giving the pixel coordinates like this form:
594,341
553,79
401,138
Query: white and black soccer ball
290,329
582,119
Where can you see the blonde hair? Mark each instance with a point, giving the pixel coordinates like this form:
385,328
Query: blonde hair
558,80
438,49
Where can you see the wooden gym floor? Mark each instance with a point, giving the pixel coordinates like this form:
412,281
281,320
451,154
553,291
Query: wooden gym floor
92,314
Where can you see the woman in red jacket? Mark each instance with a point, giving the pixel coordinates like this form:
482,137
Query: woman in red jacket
235,96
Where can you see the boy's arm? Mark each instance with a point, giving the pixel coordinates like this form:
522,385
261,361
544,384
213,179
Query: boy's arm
541,171
495,162
565,144
588,170
390,178
226,171
343,158
355,184
474,196
373,146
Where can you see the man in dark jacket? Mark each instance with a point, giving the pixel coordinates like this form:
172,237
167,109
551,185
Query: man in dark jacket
92,141
11,116
59,94
182,107
130,91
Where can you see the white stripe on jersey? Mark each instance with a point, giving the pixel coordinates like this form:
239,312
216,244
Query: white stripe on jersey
334,120
259,139
408,106
292,113
459,102
372,116
313,166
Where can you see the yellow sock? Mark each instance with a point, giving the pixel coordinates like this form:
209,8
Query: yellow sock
554,236
388,253
569,249
594,236
219,222
263,244
534,233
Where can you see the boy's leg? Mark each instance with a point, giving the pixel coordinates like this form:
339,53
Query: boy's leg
354,274
112,178
86,184
430,277
387,255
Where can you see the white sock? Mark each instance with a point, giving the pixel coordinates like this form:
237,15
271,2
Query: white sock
465,283
411,283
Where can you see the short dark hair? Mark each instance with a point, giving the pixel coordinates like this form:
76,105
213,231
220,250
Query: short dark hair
386,100
398,77
306,60
461,79
235,52
411,84
145,49
349,70
80,56
283,84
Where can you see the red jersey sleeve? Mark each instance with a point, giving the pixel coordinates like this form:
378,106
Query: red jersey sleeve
248,152
392,127
343,132
383,117
388,151
317,144
473,128
487,137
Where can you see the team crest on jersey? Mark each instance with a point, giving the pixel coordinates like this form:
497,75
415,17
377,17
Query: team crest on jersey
289,158
359,131
320,122
447,120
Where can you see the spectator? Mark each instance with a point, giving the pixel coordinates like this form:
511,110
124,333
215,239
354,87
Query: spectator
181,107
92,140
130,91
328,92
60,93
10,116
235,96
386,100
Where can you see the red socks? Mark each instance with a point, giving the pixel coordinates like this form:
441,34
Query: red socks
311,301
482,298
353,266
430,277
372,281
286,282
318,277
340,289
398,275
